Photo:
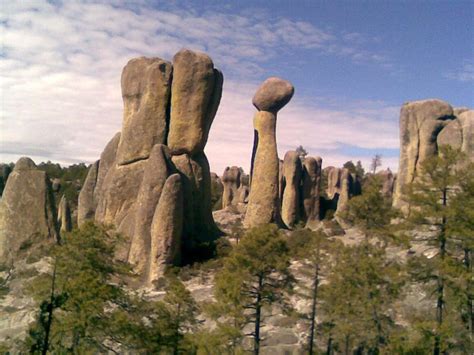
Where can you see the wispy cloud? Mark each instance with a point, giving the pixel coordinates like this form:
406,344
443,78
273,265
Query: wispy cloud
465,73
60,68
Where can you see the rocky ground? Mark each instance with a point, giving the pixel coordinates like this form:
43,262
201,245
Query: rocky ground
282,333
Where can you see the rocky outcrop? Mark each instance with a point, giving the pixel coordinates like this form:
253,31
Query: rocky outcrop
459,133
217,190
333,181
311,185
168,112
231,182
146,88
387,181
420,124
292,171
86,203
244,188
167,228
5,171
264,202
195,95
27,209
64,216
345,192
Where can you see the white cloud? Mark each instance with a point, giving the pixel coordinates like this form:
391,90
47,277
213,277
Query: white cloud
464,74
60,69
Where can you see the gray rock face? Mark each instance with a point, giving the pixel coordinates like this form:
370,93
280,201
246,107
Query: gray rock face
87,204
27,209
420,123
244,188
196,94
292,172
146,87
273,94
311,185
64,216
231,182
264,200
159,167
166,228
467,124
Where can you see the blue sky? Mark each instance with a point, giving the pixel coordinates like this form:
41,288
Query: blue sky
353,64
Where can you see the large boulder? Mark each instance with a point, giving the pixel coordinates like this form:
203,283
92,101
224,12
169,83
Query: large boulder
195,96
146,88
27,209
273,94
292,172
311,185
420,123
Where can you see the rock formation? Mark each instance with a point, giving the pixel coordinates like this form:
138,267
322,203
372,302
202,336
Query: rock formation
292,171
231,182
5,171
27,209
459,133
264,202
244,189
217,190
387,179
64,216
346,190
153,180
311,185
424,126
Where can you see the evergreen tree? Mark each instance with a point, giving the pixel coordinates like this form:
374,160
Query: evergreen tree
356,300
437,214
254,276
84,285
313,251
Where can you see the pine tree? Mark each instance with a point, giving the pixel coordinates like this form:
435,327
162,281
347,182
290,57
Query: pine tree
254,276
437,214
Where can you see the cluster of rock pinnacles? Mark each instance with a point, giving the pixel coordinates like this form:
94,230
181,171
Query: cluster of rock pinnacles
153,182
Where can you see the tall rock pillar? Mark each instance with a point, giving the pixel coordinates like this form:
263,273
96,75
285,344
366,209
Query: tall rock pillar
264,201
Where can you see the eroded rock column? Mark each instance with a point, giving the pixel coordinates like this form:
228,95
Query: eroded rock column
264,201
311,185
292,172
231,181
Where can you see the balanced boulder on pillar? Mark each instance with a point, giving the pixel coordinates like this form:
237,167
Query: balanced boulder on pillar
264,202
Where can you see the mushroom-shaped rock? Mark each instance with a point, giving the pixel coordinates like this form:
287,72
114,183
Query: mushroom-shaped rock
167,228
273,94
264,200
292,171
231,182
146,87
27,209
311,185
195,96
